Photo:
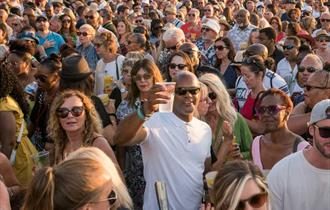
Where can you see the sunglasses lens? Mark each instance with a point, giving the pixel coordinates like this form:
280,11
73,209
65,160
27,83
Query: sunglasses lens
212,96
258,200
324,132
62,112
182,91
77,111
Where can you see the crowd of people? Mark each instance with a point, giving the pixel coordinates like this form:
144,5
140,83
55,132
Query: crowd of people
83,81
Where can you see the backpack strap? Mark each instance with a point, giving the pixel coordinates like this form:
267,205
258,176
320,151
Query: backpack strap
117,70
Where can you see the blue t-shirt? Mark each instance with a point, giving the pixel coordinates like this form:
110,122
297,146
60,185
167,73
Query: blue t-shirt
52,36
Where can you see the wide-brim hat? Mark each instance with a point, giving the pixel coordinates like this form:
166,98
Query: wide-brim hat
75,68
225,23
322,33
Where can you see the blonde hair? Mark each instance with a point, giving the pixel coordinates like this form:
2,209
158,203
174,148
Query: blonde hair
89,28
230,182
58,134
224,104
73,183
108,40
202,95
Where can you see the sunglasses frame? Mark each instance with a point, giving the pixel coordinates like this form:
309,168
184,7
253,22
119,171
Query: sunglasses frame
323,131
64,112
82,33
174,65
183,91
220,47
288,47
261,110
263,196
309,69
145,77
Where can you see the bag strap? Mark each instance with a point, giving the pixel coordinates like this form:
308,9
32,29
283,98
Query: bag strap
117,70
20,134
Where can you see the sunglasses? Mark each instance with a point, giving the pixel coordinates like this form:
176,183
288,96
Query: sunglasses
206,29
325,20
323,131
179,16
207,10
82,33
271,110
89,17
212,96
41,20
97,45
192,15
309,69
322,39
41,78
180,66
309,87
255,201
140,77
183,91
138,21
112,198
76,111
288,47
219,48
66,21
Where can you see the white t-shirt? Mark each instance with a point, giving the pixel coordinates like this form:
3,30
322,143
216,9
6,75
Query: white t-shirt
174,151
107,69
295,184
271,80
284,69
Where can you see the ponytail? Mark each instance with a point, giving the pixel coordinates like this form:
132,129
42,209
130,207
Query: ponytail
40,194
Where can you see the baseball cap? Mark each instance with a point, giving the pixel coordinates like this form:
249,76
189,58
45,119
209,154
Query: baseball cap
212,24
41,17
321,111
26,35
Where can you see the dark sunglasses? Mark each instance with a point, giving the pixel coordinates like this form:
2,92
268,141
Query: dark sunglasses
179,16
66,21
138,21
220,48
212,96
89,17
272,110
183,91
323,131
158,27
192,14
325,20
309,69
112,198
41,78
206,29
288,47
97,45
76,111
140,77
41,20
82,33
255,201
180,66
309,87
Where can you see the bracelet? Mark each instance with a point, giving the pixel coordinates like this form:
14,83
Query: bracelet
140,113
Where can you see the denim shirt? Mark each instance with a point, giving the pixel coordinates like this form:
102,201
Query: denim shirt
89,54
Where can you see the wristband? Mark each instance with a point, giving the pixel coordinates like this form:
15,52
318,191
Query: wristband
140,113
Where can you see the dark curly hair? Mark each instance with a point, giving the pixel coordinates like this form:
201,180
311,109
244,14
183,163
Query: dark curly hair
10,86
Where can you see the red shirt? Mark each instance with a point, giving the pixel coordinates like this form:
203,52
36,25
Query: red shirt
192,32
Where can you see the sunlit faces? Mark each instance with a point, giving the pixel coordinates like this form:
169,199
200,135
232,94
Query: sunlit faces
322,42
251,79
177,64
143,80
208,11
290,49
85,35
121,28
72,123
242,18
315,91
320,132
17,64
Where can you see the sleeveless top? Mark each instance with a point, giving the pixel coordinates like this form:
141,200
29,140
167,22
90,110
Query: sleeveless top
299,144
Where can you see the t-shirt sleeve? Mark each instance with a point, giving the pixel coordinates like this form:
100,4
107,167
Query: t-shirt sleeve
276,186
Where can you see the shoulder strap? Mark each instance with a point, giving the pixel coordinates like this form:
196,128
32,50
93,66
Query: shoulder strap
19,137
271,80
117,70
92,142
296,143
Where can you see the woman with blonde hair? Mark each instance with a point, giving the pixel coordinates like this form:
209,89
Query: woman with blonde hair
240,185
74,123
72,184
231,135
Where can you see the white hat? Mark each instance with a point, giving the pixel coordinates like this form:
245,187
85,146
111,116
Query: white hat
320,111
212,24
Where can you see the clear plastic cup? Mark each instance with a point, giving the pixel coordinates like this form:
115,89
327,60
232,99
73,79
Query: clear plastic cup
41,159
170,87
210,177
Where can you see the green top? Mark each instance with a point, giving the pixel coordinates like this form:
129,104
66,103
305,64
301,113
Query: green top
242,133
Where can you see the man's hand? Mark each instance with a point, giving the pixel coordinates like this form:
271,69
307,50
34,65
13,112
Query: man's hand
48,44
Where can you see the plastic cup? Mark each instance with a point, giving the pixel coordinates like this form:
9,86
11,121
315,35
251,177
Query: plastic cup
210,177
41,159
170,87
104,98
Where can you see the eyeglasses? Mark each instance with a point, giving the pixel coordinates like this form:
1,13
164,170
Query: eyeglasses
206,29
212,96
323,131
82,33
207,10
41,78
288,47
89,17
180,66
325,20
138,21
112,198
41,20
272,110
322,39
255,201
183,91
219,48
76,111
66,21
309,69
309,87
179,16
140,77
192,15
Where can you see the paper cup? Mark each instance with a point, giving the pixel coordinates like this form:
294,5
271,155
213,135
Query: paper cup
170,87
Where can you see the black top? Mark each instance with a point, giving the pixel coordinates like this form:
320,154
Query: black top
101,111
277,55
116,94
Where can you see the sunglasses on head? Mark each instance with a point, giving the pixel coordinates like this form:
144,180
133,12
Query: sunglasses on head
112,198
288,47
271,110
255,201
82,33
140,77
212,96
183,91
180,66
309,69
76,111
219,48
323,131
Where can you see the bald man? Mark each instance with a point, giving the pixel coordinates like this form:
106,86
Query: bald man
174,145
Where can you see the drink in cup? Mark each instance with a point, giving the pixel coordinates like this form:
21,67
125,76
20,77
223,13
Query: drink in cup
41,159
210,177
170,87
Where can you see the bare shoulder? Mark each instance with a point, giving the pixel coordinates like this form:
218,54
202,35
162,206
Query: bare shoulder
299,108
100,141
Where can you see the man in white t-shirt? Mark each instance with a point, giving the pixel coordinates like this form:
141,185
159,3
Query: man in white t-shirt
175,146
301,181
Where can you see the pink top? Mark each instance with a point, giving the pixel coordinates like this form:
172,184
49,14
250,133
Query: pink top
256,150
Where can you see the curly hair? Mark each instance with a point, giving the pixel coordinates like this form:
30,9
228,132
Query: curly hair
57,133
11,86
108,40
